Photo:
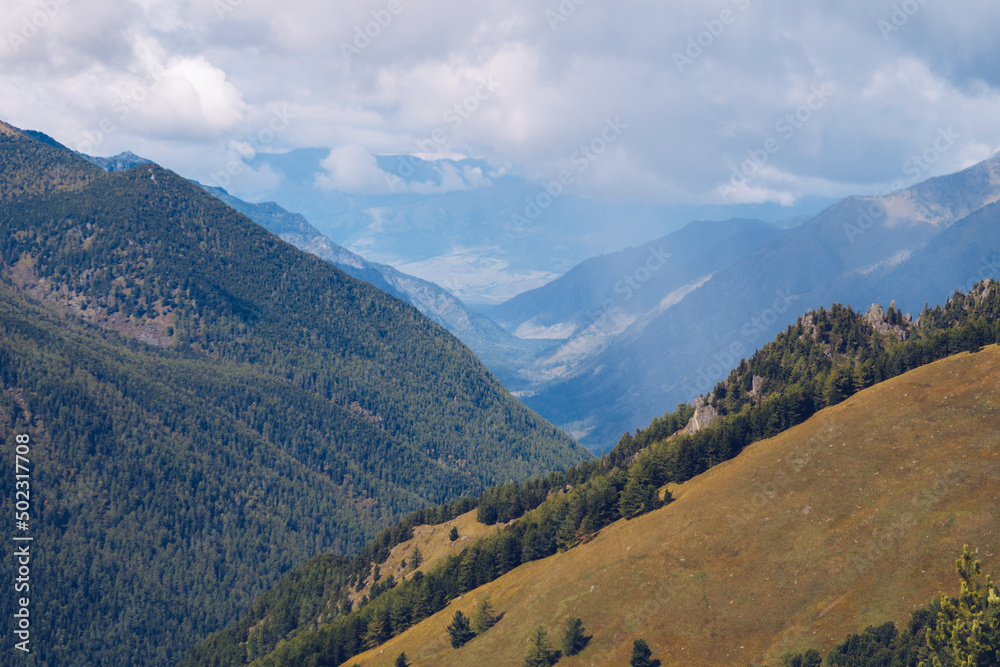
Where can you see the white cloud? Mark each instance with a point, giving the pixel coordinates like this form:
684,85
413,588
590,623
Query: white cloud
352,168
193,97
224,73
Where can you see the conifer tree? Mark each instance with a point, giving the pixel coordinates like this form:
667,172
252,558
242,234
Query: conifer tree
641,655
401,614
640,493
453,535
540,653
810,658
401,661
417,558
968,628
467,570
483,617
379,629
573,640
459,630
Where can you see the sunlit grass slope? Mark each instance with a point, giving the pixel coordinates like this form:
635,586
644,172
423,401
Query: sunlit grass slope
849,519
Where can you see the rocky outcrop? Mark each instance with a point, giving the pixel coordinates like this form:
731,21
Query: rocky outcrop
704,414
878,320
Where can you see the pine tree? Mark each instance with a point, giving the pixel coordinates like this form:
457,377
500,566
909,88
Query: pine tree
631,502
968,628
401,661
812,658
540,653
459,630
641,655
583,534
573,640
379,629
401,614
417,558
467,570
483,617
640,494
453,535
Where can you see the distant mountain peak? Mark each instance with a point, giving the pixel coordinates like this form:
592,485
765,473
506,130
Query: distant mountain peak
121,162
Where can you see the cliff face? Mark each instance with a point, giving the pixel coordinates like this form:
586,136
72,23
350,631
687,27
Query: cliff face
704,413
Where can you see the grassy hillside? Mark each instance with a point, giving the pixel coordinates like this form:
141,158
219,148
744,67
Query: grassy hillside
849,519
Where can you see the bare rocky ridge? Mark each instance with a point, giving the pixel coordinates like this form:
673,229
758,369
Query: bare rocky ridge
877,319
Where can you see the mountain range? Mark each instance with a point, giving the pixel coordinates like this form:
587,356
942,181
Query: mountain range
242,431
617,338
914,246
210,406
760,510
483,232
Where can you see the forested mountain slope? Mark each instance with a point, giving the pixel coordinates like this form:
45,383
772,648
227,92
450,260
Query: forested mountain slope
212,406
825,358
501,352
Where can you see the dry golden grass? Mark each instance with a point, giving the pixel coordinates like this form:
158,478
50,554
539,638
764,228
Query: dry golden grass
852,518
434,547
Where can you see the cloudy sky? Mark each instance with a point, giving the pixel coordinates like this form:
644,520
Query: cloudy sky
803,98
